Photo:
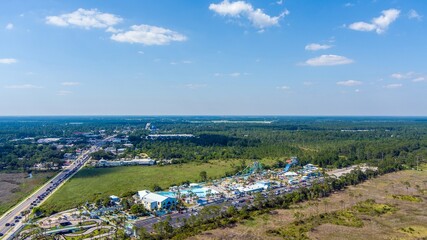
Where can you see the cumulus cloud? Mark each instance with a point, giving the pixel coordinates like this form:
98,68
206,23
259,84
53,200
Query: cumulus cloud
23,86
412,14
148,35
113,30
70,83
316,47
402,75
8,60
84,18
328,60
413,76
9,26
242,9
379,24
393,85
349,83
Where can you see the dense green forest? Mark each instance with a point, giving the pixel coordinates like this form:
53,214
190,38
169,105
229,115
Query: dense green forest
326,141
330,142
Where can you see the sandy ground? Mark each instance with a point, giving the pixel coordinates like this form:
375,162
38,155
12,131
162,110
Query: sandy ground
388,226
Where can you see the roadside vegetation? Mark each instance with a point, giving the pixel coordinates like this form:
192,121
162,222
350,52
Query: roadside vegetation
213,217
362,211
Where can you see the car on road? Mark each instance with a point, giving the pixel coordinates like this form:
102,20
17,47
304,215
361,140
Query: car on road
12,224
7,224
1,234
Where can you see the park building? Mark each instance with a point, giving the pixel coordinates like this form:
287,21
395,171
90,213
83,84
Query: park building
153,201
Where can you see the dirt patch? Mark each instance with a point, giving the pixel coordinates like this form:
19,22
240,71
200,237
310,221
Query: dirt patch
385,226
15,186
10,183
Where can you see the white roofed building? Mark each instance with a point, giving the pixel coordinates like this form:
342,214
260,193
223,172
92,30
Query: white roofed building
154,201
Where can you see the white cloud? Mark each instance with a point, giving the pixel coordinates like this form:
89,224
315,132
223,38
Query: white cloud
141,52
63,93
349,5
419,79
413,76
70,83
349,83
328,60
240,9
148,35
357,90
316,46
234,74
195,86
283,87
182,62
113,30
9,26
23,86
407,75
379,24
8,60
280,2
85,18
394,85
412,14
398,75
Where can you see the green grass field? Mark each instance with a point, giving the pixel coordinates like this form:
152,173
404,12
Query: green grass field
91,183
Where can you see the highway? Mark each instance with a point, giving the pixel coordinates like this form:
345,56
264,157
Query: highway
13,220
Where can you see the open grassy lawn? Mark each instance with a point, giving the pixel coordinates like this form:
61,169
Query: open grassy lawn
345,215
16,186
90,183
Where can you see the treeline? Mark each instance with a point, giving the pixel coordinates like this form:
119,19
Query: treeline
24,156
212,217
324,148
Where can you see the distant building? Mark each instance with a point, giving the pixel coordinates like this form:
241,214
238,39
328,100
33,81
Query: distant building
47,140
154,201
144,161
168,136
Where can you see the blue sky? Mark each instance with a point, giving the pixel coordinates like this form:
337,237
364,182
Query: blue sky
213,57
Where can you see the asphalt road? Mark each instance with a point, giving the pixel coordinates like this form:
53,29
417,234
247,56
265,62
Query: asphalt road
35,199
